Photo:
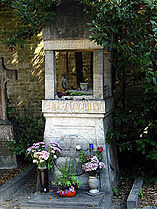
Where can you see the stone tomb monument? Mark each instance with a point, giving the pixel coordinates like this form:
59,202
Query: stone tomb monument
7,159
82,117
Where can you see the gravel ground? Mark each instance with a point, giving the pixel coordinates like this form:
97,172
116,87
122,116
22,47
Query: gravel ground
23,193
8,174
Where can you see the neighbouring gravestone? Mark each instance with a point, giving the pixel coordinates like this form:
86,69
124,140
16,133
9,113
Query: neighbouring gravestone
7,159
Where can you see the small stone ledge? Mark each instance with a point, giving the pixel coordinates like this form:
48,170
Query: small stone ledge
9,188
132,201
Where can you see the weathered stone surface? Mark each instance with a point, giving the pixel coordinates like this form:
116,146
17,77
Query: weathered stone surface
80,201
9,188
7,159
71,106
5,76
50,73
77,44
70,22
132,201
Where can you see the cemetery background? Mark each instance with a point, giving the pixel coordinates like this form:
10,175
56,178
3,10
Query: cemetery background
20,94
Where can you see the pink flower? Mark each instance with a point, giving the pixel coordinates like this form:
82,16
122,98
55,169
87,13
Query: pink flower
88,157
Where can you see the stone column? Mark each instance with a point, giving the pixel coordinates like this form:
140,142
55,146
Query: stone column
107,75
97,74
3,104
0,104
50,75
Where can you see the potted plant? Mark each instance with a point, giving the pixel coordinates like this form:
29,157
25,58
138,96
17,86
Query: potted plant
45,159
92,164
67,182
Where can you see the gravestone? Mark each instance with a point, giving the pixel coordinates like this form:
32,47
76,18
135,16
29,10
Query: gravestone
7,159
78,120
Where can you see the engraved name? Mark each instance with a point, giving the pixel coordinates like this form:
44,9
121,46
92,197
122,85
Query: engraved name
70,44
74,106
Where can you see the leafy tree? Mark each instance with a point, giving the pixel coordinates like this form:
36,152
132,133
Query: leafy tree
127,28
31,16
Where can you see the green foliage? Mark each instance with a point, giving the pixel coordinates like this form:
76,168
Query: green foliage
151,180
134,131
115,191
30,130
31,17
82,157
128,30
67,177
141,193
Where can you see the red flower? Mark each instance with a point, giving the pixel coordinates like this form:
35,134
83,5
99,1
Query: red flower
100,149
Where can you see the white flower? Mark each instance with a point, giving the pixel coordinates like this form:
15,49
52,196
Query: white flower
35,161
55,157
78,147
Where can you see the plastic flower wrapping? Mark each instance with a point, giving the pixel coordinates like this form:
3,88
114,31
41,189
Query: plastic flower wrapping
42,156
92,161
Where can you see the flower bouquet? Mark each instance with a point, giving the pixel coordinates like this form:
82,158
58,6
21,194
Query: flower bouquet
92,161
44,157
92,164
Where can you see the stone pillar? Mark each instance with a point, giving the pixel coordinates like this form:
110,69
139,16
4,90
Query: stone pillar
50,75
107,75
3,81
97,74
3,104
0,104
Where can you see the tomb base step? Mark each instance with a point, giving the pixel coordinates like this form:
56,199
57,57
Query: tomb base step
81,201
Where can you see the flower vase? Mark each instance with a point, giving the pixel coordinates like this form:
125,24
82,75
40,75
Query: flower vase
43,173
94,184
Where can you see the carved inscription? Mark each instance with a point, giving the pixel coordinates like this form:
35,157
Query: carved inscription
70,44
74,106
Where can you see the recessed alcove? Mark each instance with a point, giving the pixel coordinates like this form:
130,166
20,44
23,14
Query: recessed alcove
74,74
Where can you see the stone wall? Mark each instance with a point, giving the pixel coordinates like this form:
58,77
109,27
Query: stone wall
25,94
